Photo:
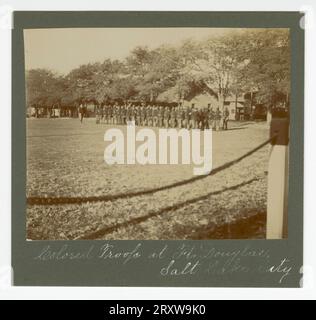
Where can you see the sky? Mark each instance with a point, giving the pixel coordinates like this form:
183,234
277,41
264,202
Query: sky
61,50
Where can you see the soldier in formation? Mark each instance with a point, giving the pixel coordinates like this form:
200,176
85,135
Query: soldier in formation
154,115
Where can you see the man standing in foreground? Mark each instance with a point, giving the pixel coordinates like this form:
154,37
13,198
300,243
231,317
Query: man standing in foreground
81,112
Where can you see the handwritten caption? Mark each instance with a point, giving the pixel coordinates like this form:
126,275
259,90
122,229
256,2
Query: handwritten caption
182,260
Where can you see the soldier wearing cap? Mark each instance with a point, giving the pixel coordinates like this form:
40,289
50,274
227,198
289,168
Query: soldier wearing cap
166,117
187,119
210,118
155,116
217,119
205,118
111,114
178,117
143,115
172,118
114,114
123,114
138,116
225,119
182,118
160,117
149,114
133,113
194,118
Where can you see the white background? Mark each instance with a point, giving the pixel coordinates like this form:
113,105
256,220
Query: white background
309,290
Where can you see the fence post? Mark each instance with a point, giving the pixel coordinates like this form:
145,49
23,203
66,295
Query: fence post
278,180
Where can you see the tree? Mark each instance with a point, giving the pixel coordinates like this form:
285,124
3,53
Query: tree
216,64
269,67
82,82
43,88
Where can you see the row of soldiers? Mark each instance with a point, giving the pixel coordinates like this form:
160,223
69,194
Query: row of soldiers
164,117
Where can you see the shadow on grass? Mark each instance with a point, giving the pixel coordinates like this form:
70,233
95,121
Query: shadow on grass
251,227
109,229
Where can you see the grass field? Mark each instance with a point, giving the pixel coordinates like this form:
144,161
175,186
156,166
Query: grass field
65,158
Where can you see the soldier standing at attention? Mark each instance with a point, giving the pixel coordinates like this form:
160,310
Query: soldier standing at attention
110,114
149,114
172,118
138,117
105,112
114,114
113,119
187,118
210,118
194,116
103,115
81,112
160,117
123,114
199,118
155,116
128,113
226,118
205,118
217,119
133,114
118,114
178,117
97,115
142,115
182,118
166,116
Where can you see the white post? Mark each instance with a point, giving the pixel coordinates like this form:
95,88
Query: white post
278,181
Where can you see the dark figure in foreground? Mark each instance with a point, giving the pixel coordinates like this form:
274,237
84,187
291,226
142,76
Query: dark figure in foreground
81,112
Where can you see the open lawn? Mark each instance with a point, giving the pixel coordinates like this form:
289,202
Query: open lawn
65,158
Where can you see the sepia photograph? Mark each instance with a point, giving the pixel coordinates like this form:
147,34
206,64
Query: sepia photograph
157,133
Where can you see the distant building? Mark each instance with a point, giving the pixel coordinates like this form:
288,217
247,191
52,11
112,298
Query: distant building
202,100
236,107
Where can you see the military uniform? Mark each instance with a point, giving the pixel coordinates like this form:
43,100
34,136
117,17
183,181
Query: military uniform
217,119
123,114
120,115
194,118
98,115
81,112
111,115
128,114
172,118
181,124
103,113
187,118
133,113
210,117
149,113
178,118
138,116
142,116
166,116
204,118
155,116
160,117
225,119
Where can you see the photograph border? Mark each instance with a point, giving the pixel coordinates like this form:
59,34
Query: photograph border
30,271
